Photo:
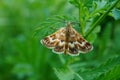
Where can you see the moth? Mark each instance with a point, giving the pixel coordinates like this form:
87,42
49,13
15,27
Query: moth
68,41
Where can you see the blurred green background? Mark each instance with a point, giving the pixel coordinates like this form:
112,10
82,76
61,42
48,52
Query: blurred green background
22,57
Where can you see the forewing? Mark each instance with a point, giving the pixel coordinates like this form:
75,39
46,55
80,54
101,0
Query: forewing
83,46
77,44
55,41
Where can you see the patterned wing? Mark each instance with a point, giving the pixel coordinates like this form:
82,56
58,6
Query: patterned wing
77,44
55,41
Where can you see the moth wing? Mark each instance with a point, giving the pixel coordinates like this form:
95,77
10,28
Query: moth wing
55,41
82,45
77,44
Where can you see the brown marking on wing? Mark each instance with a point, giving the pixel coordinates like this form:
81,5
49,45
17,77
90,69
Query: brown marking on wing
74,35
53,36
59,48
46,41
60,35
85,48
79,47
72,50
88,46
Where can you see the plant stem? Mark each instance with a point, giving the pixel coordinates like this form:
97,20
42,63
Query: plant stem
80,19
101,18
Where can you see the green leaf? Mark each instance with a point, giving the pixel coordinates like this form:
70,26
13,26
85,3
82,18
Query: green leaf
116,14
93,35
100,4
64,74
67,74
101,17
105,67
113,74
75,2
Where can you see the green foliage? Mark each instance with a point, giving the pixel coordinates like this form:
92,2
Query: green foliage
64,74
23,23
113,74
103,69
106,71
